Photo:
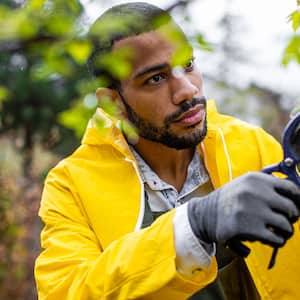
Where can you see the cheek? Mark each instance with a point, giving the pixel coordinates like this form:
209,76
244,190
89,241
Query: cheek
196,79
154,105
154,111
161,106
149,104
146,108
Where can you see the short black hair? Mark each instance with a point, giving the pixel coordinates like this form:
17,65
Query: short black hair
119,22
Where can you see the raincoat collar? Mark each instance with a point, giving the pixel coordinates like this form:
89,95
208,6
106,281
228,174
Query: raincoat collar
105,129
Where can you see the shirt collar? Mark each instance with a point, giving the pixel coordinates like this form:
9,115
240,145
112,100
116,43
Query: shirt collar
196,176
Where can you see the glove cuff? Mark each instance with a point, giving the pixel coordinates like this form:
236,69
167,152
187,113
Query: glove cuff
202,214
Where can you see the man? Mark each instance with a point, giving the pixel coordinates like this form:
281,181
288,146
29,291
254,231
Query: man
150,219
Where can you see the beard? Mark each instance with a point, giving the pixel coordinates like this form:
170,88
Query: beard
164,135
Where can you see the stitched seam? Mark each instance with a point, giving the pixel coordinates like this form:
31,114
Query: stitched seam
226,153
139,222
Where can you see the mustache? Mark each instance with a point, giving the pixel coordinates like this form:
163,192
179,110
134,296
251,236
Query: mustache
184,107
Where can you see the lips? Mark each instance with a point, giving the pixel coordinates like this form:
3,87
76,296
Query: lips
192,116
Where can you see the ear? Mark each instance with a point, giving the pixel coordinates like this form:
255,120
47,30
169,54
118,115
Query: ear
113,95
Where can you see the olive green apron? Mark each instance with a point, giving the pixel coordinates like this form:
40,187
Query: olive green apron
233,281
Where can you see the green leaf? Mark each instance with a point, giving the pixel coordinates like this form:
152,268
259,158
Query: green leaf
203,43
75,6
90,85
76,118
182,55
26,28
4,93
15,24
35,4
292,51
60,25
294,17
40,71
108,26
117,63
174,35
130,131
57,61
109,106
79,50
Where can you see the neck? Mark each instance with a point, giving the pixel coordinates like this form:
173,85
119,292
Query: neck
169,164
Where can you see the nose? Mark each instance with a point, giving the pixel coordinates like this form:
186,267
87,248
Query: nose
183,89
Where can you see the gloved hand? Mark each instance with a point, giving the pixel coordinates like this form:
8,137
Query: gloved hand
253,207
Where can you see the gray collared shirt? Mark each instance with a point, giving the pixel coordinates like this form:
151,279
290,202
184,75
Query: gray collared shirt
192,254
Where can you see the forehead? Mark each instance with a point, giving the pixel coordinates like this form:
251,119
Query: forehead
151,48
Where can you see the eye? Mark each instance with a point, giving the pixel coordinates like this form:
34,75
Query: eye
190,65
156,79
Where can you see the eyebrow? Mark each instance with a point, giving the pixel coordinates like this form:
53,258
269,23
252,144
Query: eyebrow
150,70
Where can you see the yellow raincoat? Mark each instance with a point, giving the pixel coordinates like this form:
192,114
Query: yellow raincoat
93,207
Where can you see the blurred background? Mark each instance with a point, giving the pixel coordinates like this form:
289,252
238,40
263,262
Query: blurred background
248,52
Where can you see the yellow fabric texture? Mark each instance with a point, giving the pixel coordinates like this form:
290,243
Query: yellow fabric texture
92,205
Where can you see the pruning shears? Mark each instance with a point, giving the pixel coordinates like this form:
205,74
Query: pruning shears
290,165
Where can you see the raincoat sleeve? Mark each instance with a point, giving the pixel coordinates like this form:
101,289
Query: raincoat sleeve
74,265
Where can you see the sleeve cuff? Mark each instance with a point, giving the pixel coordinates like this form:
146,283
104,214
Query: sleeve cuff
192,254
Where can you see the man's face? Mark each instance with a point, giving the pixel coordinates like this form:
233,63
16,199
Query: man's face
163,102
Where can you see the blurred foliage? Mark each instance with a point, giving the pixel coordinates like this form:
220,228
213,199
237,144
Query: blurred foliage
292,51
16,210
77,116
42,57
42,70
202,43
11,265
8,227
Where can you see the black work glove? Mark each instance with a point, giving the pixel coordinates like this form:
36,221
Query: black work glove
253,207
